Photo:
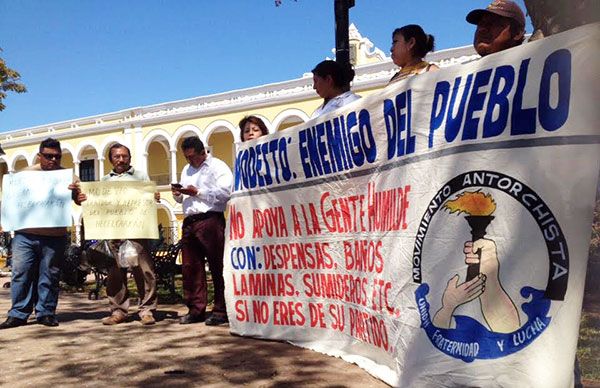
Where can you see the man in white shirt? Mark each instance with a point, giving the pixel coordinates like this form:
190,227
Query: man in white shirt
203,191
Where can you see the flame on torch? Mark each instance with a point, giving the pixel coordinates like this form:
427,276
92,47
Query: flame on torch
479,208
473,203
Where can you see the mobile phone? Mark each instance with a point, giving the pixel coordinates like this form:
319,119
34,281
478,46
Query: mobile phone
176,186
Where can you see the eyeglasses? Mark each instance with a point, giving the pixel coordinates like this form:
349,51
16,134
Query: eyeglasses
51,156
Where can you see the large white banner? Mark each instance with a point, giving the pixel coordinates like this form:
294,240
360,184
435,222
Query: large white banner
435,233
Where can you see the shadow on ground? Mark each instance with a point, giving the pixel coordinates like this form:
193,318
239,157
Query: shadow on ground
81,351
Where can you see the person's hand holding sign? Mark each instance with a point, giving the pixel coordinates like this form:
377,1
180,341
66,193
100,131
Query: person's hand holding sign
77,195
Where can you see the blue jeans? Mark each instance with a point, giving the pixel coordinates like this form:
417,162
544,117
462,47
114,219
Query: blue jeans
36,262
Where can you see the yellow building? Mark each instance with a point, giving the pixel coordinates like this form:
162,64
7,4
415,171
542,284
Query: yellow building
154,133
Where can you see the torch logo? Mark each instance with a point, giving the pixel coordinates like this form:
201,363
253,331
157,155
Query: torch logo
479,208
501,330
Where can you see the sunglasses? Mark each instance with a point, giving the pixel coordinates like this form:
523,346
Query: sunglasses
51,156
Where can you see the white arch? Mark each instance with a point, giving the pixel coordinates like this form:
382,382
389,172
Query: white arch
219,124
288,113
173,223
109,141
182,131
159,132
171,147
165,147
82,146
4,159
13,159
32,157
68,147
163,204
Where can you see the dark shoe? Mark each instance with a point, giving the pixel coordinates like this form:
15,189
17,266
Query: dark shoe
191,318
48,320
216,320
12,322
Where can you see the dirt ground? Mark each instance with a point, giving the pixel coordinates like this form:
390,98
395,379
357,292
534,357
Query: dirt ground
83,352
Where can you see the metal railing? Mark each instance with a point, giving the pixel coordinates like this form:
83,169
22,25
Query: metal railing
161,179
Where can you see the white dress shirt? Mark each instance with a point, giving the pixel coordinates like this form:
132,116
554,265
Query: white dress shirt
335,103
213,179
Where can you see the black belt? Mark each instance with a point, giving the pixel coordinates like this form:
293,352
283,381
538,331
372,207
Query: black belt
199,217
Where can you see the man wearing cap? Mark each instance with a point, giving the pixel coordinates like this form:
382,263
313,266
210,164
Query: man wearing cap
499,27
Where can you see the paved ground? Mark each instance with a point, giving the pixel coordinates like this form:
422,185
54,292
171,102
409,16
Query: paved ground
83,352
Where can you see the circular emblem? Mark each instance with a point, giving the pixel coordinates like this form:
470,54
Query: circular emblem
505,328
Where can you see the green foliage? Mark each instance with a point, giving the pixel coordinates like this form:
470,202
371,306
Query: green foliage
588,347
164,296
9,82
595,243
593,271
278,2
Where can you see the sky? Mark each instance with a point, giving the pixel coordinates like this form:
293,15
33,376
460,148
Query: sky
81,58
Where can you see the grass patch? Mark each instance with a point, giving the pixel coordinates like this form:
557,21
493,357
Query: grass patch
164,295
588,349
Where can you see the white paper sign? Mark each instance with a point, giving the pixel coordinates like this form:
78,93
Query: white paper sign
36,199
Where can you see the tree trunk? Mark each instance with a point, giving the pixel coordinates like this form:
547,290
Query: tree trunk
553,16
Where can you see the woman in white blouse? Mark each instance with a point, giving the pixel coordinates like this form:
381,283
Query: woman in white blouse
332,82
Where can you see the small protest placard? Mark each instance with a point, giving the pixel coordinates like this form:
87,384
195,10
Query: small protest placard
36,199
119,210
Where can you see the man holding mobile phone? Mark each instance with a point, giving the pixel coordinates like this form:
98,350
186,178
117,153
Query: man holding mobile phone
204,191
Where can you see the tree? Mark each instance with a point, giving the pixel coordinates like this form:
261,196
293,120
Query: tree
278,2
553,16
9,82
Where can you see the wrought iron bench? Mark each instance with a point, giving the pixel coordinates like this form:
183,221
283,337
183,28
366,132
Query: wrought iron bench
164,258
98,264
165,266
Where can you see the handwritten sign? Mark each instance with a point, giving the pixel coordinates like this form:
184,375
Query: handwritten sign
36,199
119,210
435,233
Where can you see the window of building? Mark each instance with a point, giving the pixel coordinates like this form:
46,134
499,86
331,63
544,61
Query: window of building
87,171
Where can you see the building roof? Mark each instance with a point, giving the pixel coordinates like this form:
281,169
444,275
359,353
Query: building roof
373,70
